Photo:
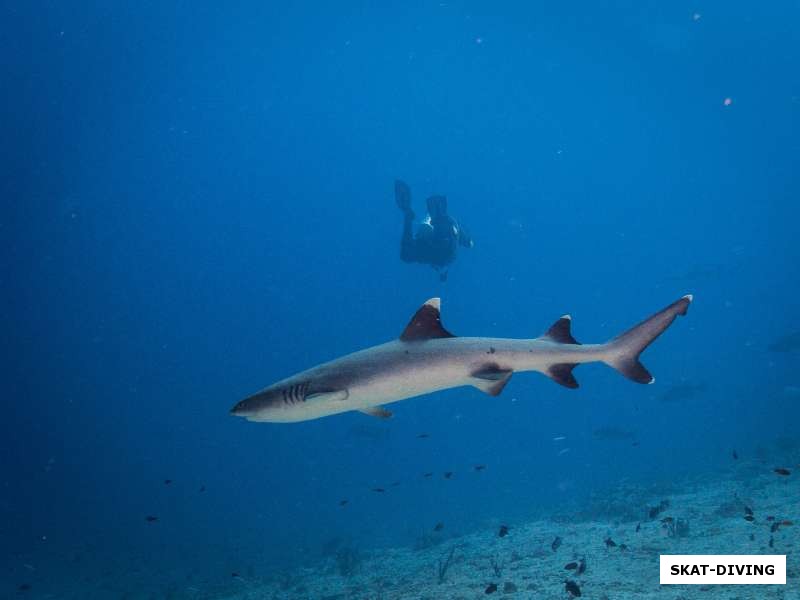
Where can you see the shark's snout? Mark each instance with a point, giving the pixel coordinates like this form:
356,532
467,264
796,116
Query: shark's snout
244,408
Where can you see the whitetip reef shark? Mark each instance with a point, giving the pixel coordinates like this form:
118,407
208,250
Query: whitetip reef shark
428,358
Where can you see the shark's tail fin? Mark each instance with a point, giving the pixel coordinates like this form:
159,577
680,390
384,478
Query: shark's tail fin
624,350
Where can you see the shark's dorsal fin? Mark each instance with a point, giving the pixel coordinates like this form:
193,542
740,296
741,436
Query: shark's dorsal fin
426,324
491,379
560,331
377,411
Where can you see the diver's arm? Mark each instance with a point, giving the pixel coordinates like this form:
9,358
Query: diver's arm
464,238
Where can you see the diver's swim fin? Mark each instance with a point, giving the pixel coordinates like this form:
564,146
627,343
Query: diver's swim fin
402,195
437,206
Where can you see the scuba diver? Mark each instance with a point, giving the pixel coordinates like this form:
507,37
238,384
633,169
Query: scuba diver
438,236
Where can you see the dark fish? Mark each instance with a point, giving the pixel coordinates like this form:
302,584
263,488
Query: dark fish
787,522
439,526
610,543
638,527
771,542
422,436
448,475
770,518
167,481
479,467
202,489
491,588
151,519
782,471
774,527
749,518
581,567
653,512
735,455
788,343
379,490
503,531
395,483
748,510
623,547
343,502
427,474
556,543
636,443
24,587
752,537
571,566
572,588
613,434
666,520
235,574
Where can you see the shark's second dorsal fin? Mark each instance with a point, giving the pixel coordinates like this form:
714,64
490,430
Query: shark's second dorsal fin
426,324
560,331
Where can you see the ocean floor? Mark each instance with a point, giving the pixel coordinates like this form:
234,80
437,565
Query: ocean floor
706,517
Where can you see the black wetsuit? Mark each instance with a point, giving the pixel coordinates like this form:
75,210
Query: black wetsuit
437,238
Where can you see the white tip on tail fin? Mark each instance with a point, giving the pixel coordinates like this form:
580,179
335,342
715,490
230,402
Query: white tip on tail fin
624,350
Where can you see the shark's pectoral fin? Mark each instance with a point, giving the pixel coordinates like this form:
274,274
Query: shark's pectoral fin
491,379
562,373
377,411
329,396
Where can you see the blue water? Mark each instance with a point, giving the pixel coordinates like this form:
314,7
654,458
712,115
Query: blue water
198,201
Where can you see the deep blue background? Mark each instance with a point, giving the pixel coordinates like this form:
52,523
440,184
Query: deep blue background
198,201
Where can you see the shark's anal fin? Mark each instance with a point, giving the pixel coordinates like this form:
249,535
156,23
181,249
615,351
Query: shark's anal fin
491,379
426,324
562,373
560,331
377,411
331,396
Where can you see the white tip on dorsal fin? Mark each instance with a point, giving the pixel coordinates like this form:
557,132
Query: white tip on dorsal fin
560,331
426,324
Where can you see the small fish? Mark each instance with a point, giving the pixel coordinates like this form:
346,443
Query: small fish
787,523
479,467
235,574
422,436
752,537
610,543
151,519
439,526
395,484
202,489
572,588
770,518
379,490
427,474
735,455
635,444
24,587
563,451
782,471
638,527
666,520
343,502
623,547
749,518
448,475
559,438
491,588
503,531
653,512
748,510
774,527
556,543
771,542
167,481
571,566
581,567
